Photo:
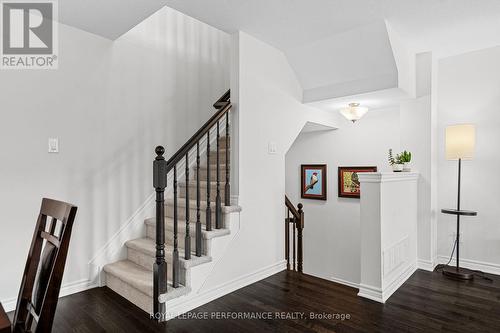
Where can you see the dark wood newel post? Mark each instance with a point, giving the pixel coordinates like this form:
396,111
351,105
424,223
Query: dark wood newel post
160,265
300,226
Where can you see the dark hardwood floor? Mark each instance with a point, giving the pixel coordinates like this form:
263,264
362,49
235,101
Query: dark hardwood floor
427,302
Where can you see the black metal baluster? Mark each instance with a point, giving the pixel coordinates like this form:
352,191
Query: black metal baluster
209,210
293,241
160,265
175,255
198,216
287,240
227,189
218,204
187,239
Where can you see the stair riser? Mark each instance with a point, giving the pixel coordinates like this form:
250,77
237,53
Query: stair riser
222,140
213,157
169,238
181,213
203,192
147,262
125,290
213,175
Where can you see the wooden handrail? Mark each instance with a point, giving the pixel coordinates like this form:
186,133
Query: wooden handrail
181,153
297,222
224,99
292,208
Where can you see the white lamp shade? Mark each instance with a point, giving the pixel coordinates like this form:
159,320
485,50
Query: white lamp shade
460,141
354,112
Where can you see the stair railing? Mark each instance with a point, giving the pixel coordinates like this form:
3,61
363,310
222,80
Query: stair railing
295,220
161,169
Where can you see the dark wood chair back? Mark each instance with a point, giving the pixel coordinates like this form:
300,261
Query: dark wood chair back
39,292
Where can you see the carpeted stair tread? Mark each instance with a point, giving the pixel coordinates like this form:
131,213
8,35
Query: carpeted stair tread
141,279
169,225
148,247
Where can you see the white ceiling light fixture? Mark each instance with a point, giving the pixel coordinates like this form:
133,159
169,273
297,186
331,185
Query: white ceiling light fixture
354,112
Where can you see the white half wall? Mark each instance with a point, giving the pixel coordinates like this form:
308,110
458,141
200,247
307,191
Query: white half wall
469,92
332,241
109,103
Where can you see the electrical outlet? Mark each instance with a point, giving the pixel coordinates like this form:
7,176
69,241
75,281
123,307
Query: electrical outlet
272,148
53,145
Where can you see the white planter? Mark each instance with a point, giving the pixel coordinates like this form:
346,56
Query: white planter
397,167
406,167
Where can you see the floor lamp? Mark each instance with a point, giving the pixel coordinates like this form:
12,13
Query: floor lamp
460,143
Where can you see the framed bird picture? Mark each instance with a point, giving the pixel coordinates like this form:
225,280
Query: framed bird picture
349,186
313,181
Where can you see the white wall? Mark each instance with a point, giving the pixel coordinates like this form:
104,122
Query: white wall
332,228
269,109
110,104
469,92
416,137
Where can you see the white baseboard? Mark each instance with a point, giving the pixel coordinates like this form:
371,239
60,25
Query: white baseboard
113,250
344,282
382,295
370,292
180,306
485,267
426,265
394,285
67,289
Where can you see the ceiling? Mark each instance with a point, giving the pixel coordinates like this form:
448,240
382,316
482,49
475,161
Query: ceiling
342,47
287,24
375,100
106,18
336,47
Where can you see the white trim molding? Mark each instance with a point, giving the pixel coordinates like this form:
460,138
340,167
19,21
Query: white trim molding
382,295
114,250
370,292
476,265
66,289
426,265
383,177
343,282
182,305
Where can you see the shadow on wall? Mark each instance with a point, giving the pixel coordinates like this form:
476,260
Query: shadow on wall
110,104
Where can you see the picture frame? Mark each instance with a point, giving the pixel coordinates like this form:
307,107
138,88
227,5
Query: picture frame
348,185
313,181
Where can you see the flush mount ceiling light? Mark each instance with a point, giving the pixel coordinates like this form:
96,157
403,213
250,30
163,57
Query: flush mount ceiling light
354,112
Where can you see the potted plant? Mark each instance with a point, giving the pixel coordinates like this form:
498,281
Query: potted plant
395,162
405,157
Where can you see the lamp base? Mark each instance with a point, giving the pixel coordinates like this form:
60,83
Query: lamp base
458,273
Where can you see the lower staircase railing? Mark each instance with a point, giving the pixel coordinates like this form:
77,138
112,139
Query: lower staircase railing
294,220
161,169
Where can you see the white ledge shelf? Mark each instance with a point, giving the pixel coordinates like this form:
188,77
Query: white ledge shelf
382,177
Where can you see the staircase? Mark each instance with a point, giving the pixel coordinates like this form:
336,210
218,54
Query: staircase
188,223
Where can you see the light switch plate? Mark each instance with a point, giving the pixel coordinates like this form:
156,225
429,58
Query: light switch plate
53,145
272,148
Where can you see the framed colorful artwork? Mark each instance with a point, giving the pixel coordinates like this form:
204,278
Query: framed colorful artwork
313,181
349,186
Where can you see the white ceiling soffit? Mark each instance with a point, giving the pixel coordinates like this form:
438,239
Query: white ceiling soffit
106,18
315,127
352,62
374,100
